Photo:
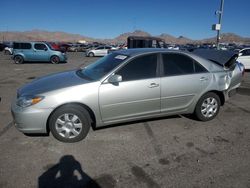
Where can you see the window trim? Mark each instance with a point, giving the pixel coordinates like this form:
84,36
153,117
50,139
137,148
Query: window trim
178,53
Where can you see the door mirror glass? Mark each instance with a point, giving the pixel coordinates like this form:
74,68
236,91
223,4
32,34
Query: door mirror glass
115,79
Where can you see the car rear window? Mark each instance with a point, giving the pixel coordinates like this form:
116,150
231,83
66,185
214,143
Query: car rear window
22,46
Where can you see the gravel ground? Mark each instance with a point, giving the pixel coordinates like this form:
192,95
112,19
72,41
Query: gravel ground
174,151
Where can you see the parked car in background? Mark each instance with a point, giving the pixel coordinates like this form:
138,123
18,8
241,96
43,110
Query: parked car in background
2,46
99,51
124,86
64,47
36,51
54,46
78,48
145,42
244,57
8,50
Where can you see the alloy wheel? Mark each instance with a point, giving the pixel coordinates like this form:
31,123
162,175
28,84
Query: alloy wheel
209,107
68,125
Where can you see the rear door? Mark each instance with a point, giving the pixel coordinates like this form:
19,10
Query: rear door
182,80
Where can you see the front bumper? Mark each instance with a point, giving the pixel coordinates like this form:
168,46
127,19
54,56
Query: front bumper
63,57
30,119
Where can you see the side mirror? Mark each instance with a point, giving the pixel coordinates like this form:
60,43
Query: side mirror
240,54
45,49
115,79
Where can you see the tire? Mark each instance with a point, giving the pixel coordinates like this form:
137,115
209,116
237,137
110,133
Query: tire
54,59
70,123
207,107
91,54
18,59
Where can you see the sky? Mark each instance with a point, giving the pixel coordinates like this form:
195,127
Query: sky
110,18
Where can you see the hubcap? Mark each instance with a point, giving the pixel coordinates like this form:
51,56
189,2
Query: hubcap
55,60
18,59
68,125
209,107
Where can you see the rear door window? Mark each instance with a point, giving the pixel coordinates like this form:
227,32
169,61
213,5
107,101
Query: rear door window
22,46
179,64
100,48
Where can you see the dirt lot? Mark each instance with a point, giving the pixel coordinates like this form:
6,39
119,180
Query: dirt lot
168,152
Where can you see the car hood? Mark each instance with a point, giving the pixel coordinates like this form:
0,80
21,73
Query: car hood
51,82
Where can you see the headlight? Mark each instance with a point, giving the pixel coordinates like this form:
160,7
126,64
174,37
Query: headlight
26,101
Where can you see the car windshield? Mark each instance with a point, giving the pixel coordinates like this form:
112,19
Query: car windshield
102,66
50,46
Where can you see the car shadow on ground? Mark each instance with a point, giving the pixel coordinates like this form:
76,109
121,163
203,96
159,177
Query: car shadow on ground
136,122
67,173
188,116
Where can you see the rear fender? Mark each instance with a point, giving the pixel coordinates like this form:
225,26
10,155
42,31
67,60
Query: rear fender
20,54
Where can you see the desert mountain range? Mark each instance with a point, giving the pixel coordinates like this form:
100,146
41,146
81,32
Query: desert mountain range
41,35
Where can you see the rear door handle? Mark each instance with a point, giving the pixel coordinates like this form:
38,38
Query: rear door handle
152,85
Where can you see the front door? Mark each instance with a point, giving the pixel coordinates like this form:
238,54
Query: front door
41,52
138,94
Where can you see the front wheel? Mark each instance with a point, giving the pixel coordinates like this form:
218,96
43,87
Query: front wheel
207,107
70,123
54,59
91,54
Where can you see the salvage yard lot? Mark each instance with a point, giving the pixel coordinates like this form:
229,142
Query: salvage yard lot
175,151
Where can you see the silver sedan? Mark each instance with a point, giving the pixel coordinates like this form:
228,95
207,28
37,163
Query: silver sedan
124,86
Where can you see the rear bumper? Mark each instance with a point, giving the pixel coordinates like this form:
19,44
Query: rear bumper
63,58
231,92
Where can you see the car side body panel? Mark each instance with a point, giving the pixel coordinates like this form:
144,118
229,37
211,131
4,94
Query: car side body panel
129,99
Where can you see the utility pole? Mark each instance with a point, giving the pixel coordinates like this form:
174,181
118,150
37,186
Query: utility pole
217,27
220,18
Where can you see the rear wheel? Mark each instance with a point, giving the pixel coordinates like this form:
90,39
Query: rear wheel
18,59
70,123
208,107
54,59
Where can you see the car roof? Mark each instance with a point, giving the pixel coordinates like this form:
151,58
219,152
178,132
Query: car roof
138,51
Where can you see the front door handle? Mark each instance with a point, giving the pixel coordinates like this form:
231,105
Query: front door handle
152,85
203,79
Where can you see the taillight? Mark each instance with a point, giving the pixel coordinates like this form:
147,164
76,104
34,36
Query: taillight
241,67
243,71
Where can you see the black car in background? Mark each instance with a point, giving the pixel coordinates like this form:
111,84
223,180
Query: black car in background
2,46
